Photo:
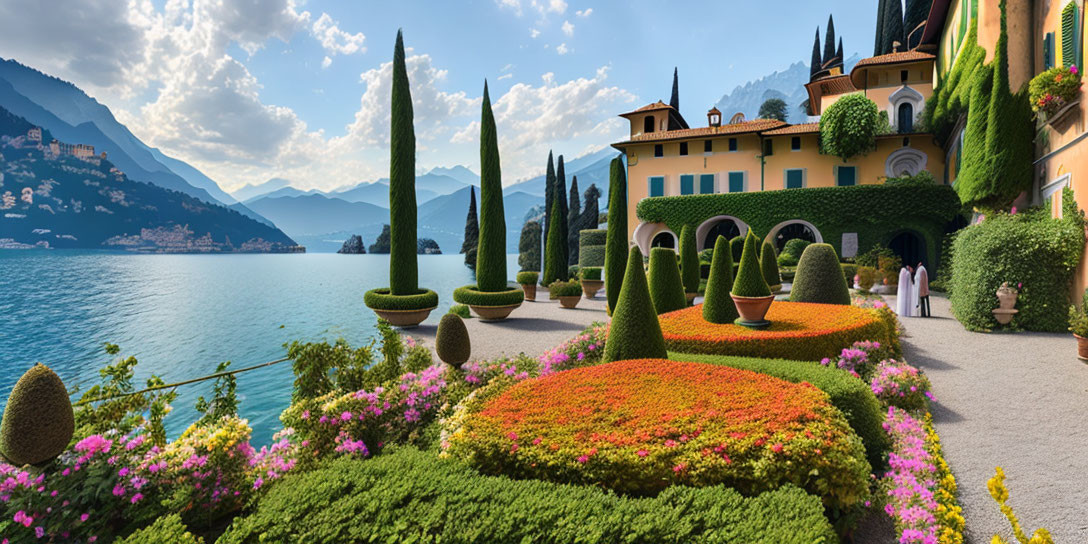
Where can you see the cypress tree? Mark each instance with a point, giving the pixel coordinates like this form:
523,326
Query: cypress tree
666,287
591,213
561,201
529,246
472,228
893,26
689,260
718,306
674,101
574,226
615,250
555,263
842,60
403,271
829,40
635,332
817,61
549,199
878,45
491,253
917,13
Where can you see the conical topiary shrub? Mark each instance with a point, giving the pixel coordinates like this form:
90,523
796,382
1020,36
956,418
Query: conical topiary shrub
750,291
689,260
768,261
666,288
615,245
452,342
819,277
38,421
736,245
718,306
635,332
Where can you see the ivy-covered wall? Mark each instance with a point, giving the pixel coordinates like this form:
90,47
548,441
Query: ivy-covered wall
877,213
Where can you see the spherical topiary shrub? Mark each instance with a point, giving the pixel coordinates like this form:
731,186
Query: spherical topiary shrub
452,342
635,332
795,247
737,246
38,420
768,261
666,288
819,277
718,306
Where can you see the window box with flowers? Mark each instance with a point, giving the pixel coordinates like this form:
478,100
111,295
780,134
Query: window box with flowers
1055,92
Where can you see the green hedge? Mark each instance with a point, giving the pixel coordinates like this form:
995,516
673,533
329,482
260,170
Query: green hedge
875,212
592,273
412,496
591,256
819,277
1028,248
380,299
165,530
666,287
473,297
592,237
849,394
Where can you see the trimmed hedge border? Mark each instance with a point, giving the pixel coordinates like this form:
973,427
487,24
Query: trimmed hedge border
592,237
850,395
380,299
591,256
473,297
408,495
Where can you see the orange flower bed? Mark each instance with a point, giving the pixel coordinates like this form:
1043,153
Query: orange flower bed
638,426
799,331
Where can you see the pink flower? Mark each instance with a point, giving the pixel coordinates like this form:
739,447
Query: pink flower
84,517
777,448
1073,70
643,453
583,459
22,517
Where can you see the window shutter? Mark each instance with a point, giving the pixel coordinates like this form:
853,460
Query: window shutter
1070,35
1048,51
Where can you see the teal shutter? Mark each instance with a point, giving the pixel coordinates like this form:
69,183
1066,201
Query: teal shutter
795,179
736,182
1048,51
1070,35
847,175
687,184
706,184
657,186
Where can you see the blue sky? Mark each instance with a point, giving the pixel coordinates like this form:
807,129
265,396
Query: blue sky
247,90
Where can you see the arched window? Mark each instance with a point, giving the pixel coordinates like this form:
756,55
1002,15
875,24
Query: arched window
648,124
906,118
664,239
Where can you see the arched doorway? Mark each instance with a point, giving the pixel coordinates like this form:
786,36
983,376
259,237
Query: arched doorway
910,247
794,229
664,239
720,225
906,118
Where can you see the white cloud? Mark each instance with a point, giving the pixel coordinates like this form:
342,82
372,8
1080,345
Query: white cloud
584,12
505,76
568,28
562,49
336,41
557,6
533,33
326,62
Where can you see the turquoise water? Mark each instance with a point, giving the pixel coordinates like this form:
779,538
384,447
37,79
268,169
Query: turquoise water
180,315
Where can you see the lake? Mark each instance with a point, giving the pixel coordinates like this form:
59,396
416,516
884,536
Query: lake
180,315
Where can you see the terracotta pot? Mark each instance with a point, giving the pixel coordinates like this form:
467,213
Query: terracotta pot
752,309
569,301
530,291
405,319
1006,296
1004,316
494,313
590,287
1082,348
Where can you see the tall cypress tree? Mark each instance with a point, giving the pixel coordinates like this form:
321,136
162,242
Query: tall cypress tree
674,101
555,263
574,226
549,200
591,210
829,41
917,13
561,201
529,247
842,60
491,253
817,61
878,45
403,269
472,229
615,245
893,26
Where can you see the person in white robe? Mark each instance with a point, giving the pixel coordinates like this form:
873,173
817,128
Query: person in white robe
903,296
915,296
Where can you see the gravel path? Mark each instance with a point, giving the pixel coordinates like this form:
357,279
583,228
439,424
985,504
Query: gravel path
1019,401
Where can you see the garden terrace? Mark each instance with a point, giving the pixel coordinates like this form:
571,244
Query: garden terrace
798,330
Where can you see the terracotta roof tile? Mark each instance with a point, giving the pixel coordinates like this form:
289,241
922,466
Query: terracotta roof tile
757,125
804,128
659,105
894,58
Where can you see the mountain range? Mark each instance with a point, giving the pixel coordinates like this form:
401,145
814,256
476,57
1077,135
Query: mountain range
788,85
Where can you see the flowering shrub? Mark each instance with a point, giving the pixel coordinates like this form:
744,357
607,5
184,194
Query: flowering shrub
1000,494
798,331
859,359
901,385
642,425
1051,90
582,350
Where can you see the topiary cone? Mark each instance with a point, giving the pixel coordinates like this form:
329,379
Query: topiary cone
736,245
666,288
718,306
635,332
689,260
615,249
750,282
452,342
38,421
768,262
819,277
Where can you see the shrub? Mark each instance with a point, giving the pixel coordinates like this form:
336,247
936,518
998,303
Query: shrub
867,276
529,247
615,258
819,277
526,277
412,496
383,299
689,260
666,287
555,259
718,306
786,259
591,245
38,422
591,273
403,268
850,395
849,127
460,310
565,289
901,385
797,331
642,446
1078,319
736,246
749,281
582,350
768,263
470,295
635,332
795,247
1028,248
165,530
849,270
860,359
572,271
452,342
127,408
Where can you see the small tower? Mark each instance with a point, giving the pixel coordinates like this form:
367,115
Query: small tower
714,117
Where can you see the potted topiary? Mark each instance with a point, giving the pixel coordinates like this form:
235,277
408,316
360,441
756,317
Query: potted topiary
527,279
568,292
718,305
491,298
1078,325
751,294
403,304
591,280
768,262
